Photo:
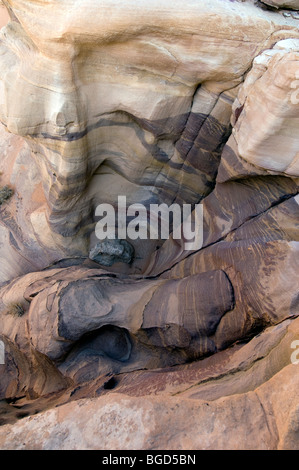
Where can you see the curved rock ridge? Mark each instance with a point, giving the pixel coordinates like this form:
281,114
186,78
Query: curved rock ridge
163,322
245,400
157,102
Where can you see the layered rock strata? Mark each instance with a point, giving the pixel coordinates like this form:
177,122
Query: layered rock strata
157,102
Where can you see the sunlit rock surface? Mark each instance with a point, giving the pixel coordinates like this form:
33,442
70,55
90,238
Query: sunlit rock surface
158,102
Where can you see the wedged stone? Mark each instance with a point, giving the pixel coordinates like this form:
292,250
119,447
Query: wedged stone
110,252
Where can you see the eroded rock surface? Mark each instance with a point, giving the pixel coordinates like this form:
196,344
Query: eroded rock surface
158,102
294,4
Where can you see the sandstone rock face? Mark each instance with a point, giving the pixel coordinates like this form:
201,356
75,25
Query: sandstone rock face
294,4
4,17
240,410
137,106
267,109
153,102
